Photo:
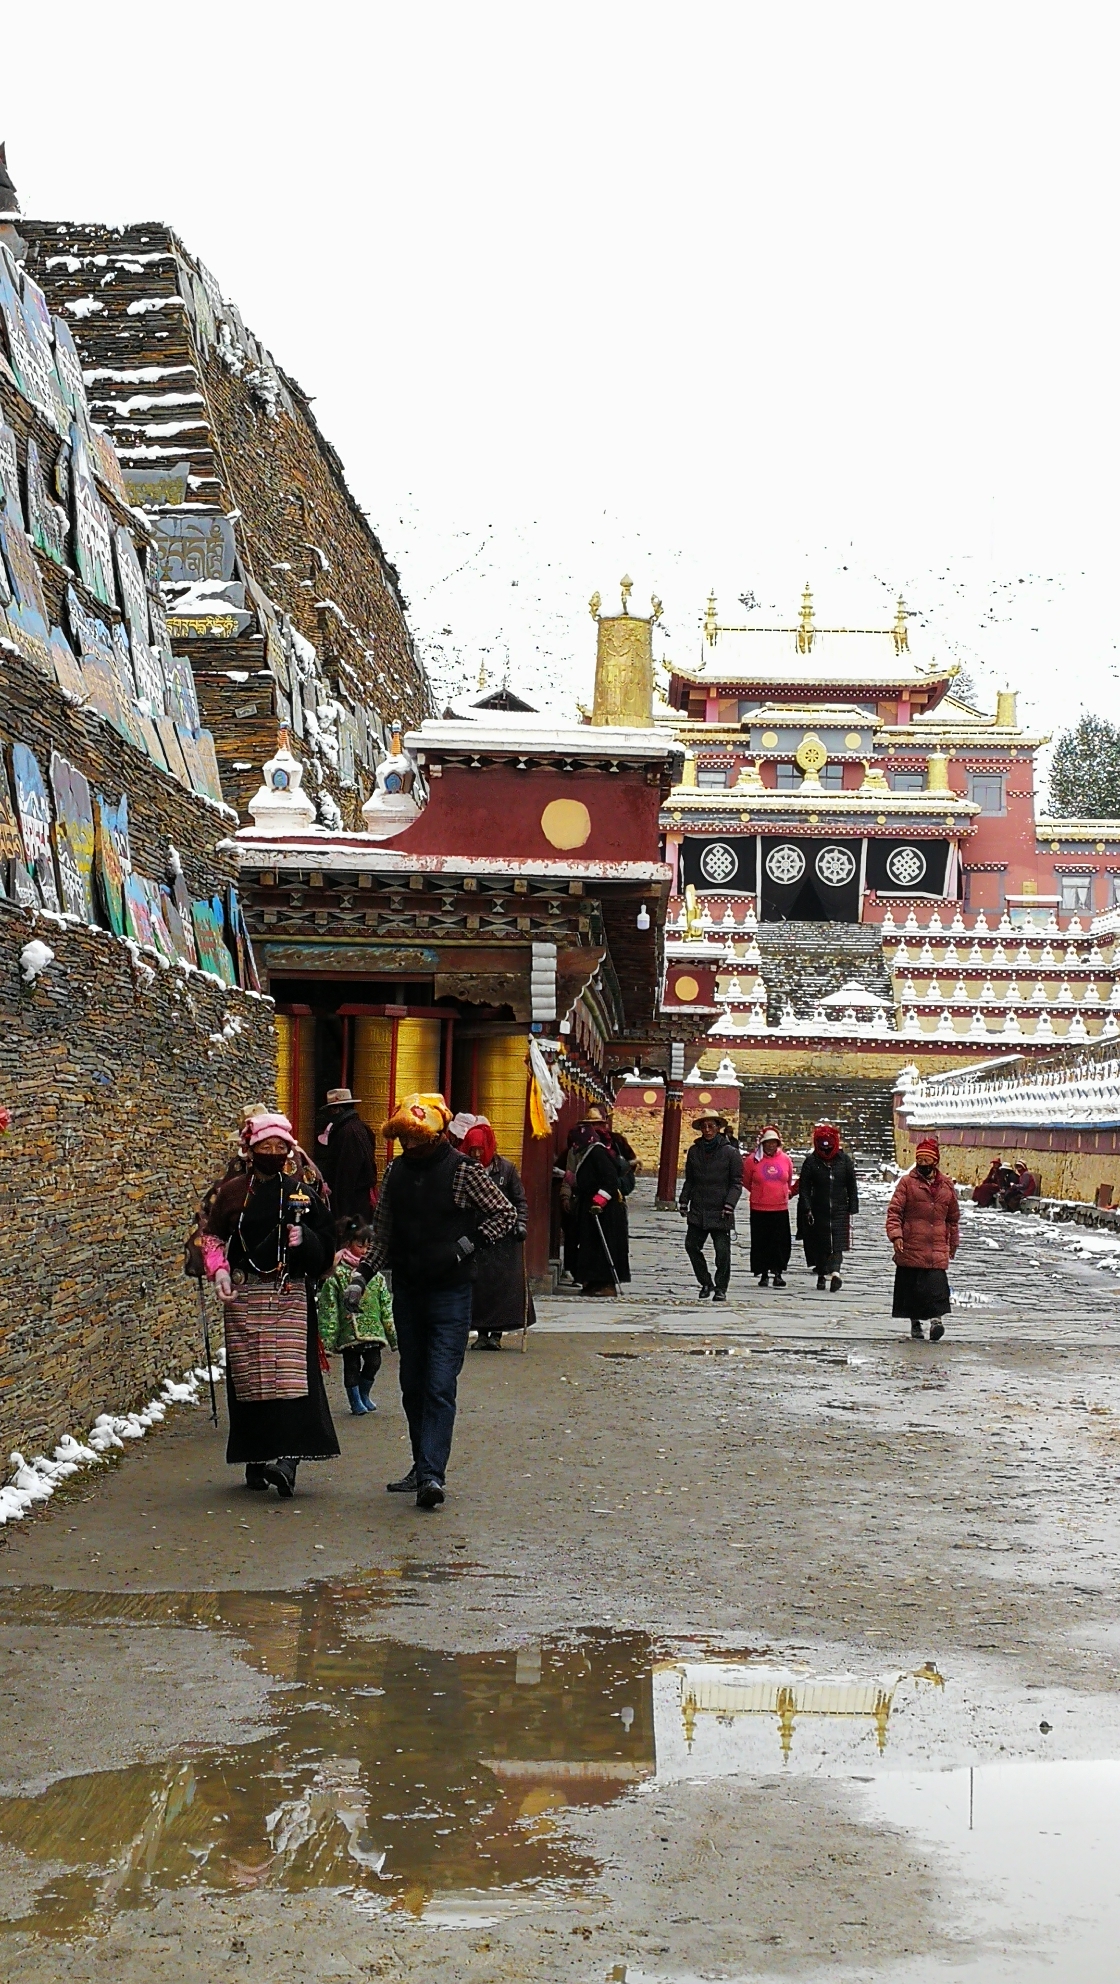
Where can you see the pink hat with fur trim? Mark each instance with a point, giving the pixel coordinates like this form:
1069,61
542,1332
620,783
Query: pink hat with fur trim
273,1125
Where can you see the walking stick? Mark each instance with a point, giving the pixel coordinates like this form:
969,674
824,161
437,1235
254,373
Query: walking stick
209,1353
607,1252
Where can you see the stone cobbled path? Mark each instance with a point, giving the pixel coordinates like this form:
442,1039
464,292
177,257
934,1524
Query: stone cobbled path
1016,1279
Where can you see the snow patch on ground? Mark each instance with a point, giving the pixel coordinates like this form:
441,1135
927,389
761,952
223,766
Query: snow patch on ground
35,1481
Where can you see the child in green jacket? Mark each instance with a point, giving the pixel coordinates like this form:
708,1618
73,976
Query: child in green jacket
360,1335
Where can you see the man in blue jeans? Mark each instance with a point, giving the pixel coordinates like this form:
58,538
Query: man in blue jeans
436,1208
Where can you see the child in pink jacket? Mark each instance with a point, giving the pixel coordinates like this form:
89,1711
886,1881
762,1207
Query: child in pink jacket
770,1181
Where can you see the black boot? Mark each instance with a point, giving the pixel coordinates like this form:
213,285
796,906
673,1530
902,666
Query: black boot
405,1486
917,1333
281,1474
936,1329
254,1474
779,1281
764,1281
821,1283
835,1283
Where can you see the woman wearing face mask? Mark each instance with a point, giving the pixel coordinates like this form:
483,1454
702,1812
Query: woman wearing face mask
923,1227
827,1197
266,1239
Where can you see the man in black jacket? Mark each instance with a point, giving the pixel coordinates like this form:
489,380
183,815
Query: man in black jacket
713,1183
435,1209
347,1156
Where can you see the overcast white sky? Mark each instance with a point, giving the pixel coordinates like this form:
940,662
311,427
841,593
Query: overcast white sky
728,296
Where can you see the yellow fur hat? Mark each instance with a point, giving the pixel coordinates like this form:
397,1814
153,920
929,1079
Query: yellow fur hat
417,1119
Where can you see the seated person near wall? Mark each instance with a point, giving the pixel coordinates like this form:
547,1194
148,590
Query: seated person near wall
987,1191
1021,1185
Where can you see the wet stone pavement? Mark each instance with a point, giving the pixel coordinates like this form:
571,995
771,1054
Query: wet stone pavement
755,1644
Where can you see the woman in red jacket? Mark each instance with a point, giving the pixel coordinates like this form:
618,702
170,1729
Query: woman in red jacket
923,1227
768,1177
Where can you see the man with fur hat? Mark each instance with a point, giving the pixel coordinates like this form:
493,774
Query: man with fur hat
436,1208
923,1227
713,1184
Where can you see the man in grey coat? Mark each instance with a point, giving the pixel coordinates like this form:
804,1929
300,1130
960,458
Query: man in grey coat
713,1183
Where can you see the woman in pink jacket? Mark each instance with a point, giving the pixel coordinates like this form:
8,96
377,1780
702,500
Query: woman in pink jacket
770,1180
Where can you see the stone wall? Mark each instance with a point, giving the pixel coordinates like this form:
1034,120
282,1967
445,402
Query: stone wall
123,1082
1069,1164
185,390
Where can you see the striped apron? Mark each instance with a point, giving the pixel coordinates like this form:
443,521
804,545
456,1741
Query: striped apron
266,1340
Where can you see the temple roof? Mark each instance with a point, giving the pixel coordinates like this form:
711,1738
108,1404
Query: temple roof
754,655
502,732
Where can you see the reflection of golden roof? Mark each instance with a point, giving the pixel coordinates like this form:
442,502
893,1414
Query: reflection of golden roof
727,1689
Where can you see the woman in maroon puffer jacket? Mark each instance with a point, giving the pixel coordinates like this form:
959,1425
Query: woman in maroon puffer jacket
923,1227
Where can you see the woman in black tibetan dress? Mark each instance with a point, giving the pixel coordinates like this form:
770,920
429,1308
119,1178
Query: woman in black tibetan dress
267,1238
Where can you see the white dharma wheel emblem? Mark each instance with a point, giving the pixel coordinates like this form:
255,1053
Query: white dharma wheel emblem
785,864
905,866
835,866
719,863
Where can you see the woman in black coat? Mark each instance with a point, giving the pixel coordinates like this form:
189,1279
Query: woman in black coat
827,1197
501,1299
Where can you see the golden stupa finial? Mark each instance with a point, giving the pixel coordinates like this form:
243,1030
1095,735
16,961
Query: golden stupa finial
594,603
786,1706
482,676
900,630
711,623
626,587
656,606
805,625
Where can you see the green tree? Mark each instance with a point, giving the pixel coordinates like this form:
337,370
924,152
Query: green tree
1085,773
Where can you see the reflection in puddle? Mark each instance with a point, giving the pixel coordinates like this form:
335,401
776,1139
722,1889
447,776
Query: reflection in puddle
393,1771
435,1783
781,1696
1037,1845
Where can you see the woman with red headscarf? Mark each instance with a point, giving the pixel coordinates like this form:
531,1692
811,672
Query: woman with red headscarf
827,1197
501,1299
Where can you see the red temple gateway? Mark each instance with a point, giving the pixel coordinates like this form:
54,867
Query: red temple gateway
490,932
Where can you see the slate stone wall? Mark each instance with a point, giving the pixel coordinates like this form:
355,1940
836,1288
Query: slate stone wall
123,1083
804,962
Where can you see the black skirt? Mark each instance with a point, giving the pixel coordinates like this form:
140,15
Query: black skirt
921,1292
771,1242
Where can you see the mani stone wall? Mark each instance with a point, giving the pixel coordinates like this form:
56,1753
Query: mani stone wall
210,429
123,1083
804,962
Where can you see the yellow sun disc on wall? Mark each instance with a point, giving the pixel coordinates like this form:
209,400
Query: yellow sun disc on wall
566,823
686,988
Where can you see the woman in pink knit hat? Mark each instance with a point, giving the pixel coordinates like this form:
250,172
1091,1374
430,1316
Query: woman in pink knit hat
266,1238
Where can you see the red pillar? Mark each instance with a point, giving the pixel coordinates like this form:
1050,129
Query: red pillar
666,1199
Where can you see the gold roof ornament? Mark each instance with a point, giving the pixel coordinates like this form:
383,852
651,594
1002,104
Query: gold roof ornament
711,621
624,662
750,778
937,779
874,778
811,755
805,628
1007,709
900,630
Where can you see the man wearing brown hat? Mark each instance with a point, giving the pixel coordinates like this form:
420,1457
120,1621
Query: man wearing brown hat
347,1157
713,1184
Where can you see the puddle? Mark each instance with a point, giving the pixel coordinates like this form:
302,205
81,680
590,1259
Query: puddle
1035,1843
414,1779
435,1783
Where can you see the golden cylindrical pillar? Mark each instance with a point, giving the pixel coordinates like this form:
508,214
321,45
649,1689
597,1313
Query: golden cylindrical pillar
295,1072
502,1081
393,1057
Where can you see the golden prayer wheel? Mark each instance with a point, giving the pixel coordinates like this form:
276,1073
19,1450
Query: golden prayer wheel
501,1083
295,1072
392,1058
